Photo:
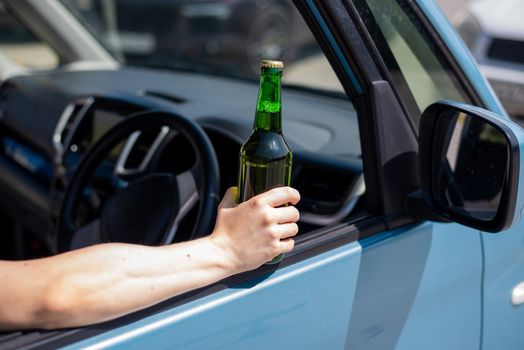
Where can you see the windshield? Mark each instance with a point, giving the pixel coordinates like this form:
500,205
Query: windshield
227,37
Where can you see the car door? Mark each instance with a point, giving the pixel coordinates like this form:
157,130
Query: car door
502,279
442,308
377,281
503,258
503,267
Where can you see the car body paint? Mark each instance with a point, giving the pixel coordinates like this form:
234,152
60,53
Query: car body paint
410,290
503,253
288,309
504,270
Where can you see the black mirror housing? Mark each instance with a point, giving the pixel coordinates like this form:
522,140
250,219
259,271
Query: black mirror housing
470,165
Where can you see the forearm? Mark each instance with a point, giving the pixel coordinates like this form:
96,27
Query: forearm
106,281
109,280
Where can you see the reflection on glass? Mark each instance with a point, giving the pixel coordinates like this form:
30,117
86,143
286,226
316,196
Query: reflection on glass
214,36
471,170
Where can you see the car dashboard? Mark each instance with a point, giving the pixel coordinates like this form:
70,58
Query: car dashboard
49,120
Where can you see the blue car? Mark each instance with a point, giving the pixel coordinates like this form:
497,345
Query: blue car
408,166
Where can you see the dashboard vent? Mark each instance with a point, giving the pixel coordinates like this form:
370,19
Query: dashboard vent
71,115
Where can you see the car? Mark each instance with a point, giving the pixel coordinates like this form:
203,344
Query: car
409,168
494,33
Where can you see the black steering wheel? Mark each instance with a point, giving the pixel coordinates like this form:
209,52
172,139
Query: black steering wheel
149,209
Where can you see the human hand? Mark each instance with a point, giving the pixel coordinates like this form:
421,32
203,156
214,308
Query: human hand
255,231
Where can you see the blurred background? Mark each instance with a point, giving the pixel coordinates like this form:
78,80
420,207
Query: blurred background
452,8
494,32
231,36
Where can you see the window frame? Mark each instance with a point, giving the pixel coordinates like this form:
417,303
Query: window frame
434,41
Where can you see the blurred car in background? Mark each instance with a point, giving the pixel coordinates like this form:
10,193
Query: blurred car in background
221,31
494,32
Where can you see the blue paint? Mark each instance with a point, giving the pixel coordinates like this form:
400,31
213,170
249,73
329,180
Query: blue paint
503,270
519,207
462,55
334,45
372,240
402,290
419,288
303,306
446,311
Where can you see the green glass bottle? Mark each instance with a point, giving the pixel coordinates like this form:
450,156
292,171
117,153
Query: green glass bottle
265,157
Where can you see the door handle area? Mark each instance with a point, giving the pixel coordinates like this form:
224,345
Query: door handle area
517,294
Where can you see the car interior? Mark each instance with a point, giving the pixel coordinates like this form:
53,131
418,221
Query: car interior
50,119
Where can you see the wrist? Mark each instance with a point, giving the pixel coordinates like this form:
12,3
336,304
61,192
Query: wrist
225,258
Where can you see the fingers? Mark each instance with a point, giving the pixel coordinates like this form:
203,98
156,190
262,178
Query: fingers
229,198
280,196
284,215
287,245
284,231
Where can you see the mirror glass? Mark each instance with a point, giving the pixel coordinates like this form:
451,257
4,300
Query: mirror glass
470,165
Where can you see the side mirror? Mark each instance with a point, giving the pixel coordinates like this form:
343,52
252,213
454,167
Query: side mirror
470,166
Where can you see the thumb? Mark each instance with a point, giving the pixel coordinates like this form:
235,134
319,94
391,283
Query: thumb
229,199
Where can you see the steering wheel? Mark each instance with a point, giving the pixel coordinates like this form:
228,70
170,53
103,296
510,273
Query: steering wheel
149,209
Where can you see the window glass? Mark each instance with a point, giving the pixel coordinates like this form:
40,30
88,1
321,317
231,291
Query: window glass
21,46
229,38
224,37
417,67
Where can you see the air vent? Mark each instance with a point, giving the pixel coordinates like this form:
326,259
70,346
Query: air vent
71,116
139,150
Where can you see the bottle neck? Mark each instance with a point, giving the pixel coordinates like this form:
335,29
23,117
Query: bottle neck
268,116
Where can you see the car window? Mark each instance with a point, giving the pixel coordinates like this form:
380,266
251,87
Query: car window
229,38
417,67
22,47
223,37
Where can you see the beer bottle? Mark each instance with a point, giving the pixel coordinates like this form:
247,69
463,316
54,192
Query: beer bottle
265,157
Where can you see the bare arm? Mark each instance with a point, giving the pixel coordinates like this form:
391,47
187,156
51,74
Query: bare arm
102,282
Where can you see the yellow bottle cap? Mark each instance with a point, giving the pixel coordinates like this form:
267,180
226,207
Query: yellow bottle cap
272,64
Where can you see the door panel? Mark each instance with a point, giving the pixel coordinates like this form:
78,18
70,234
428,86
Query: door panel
446,312
503,252
504,269
419,287
303,306
400,288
